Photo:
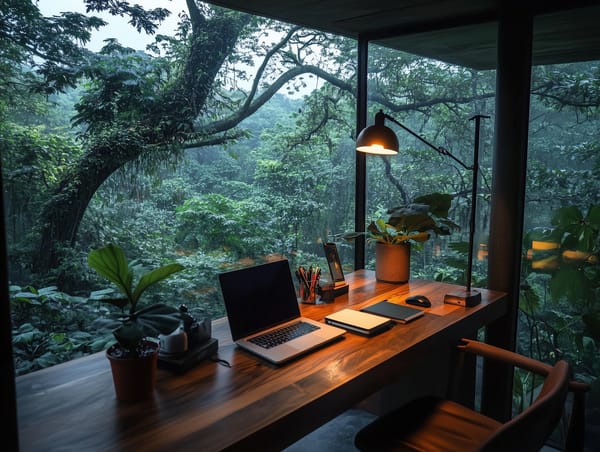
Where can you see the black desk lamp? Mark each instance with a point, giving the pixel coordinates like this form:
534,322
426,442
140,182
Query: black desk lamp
381,140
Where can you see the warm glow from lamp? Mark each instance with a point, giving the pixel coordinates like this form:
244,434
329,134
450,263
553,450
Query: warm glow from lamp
376,149
482,252
540,260
547,263
540,245
579,256
377,139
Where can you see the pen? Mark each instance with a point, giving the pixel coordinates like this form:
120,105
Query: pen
303,276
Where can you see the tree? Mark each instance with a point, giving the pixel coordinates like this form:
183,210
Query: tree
145,109
131,114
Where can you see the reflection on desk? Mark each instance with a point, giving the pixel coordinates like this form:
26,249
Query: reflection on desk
252,405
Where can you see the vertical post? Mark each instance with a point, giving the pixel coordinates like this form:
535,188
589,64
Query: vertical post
7,368
468,297
360,204
513,80
474,185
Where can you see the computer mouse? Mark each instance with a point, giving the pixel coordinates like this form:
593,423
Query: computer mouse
419,300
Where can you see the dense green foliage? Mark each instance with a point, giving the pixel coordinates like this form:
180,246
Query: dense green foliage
227,159
567,274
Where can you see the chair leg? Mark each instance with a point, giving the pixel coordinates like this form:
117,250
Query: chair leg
462,384
576,431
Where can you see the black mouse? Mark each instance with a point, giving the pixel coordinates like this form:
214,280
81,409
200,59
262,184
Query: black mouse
419,300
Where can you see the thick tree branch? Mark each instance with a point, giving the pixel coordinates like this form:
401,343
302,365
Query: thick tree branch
244,112
259,73
248,109
196,17
214,141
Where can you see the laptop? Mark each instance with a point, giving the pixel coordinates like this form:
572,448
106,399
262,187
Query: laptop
264,315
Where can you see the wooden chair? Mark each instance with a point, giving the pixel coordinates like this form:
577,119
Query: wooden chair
434,424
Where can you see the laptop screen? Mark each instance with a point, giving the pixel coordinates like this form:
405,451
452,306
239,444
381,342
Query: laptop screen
258,297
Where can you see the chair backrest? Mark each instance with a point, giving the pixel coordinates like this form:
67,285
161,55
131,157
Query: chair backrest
529,430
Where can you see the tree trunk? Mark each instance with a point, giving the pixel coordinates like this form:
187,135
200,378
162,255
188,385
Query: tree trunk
177,107
63,213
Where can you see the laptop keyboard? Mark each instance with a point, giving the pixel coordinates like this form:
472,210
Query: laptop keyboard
283,335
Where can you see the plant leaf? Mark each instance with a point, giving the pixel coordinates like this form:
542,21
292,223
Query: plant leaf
111,263
158,319
129,335
154,276
120,303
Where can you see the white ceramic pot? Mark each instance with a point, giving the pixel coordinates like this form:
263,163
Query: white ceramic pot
174,343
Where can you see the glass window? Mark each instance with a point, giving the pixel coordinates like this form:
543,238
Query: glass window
436,101
258,166
559,303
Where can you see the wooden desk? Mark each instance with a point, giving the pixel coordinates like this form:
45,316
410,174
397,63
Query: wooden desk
252,405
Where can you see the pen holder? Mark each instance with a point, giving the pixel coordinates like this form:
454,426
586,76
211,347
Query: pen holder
308,284
308,295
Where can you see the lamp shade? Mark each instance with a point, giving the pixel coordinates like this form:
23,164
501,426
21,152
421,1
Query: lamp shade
377,139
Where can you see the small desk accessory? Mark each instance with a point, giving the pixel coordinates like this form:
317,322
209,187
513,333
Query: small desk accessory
402,314
188,345
359,322
338,285
418,300
183,362
308,284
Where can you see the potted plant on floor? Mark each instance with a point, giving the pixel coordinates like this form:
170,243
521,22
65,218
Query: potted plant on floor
133,358
404,227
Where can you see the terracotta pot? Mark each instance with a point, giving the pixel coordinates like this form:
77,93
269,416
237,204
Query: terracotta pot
134,378
392,262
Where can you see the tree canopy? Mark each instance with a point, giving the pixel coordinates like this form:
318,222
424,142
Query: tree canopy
194,90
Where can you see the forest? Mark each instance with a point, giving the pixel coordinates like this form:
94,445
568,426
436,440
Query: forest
232,142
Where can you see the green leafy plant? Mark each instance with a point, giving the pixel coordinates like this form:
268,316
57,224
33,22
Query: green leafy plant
46,327
572,262
559,296
412,223
573,259
136,324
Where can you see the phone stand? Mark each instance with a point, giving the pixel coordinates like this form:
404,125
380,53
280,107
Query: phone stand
330,291
339,286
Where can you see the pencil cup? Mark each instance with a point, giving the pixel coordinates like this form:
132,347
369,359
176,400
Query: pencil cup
308,283
307,295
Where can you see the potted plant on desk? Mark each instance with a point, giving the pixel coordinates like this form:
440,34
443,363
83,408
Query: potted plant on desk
133,358
405,226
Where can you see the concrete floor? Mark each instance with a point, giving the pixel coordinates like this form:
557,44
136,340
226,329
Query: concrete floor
338,434
335,436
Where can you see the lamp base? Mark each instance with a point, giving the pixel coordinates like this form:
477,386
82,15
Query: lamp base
463,297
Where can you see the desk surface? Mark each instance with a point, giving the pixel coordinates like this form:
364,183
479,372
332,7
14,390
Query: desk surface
72,406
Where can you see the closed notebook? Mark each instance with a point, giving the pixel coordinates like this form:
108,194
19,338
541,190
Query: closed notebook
401,313
359,322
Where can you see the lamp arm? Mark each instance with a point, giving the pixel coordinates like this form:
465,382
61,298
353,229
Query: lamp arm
439,149
468,297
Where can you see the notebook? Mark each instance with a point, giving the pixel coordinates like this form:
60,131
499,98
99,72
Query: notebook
359,322
402,314
261,304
